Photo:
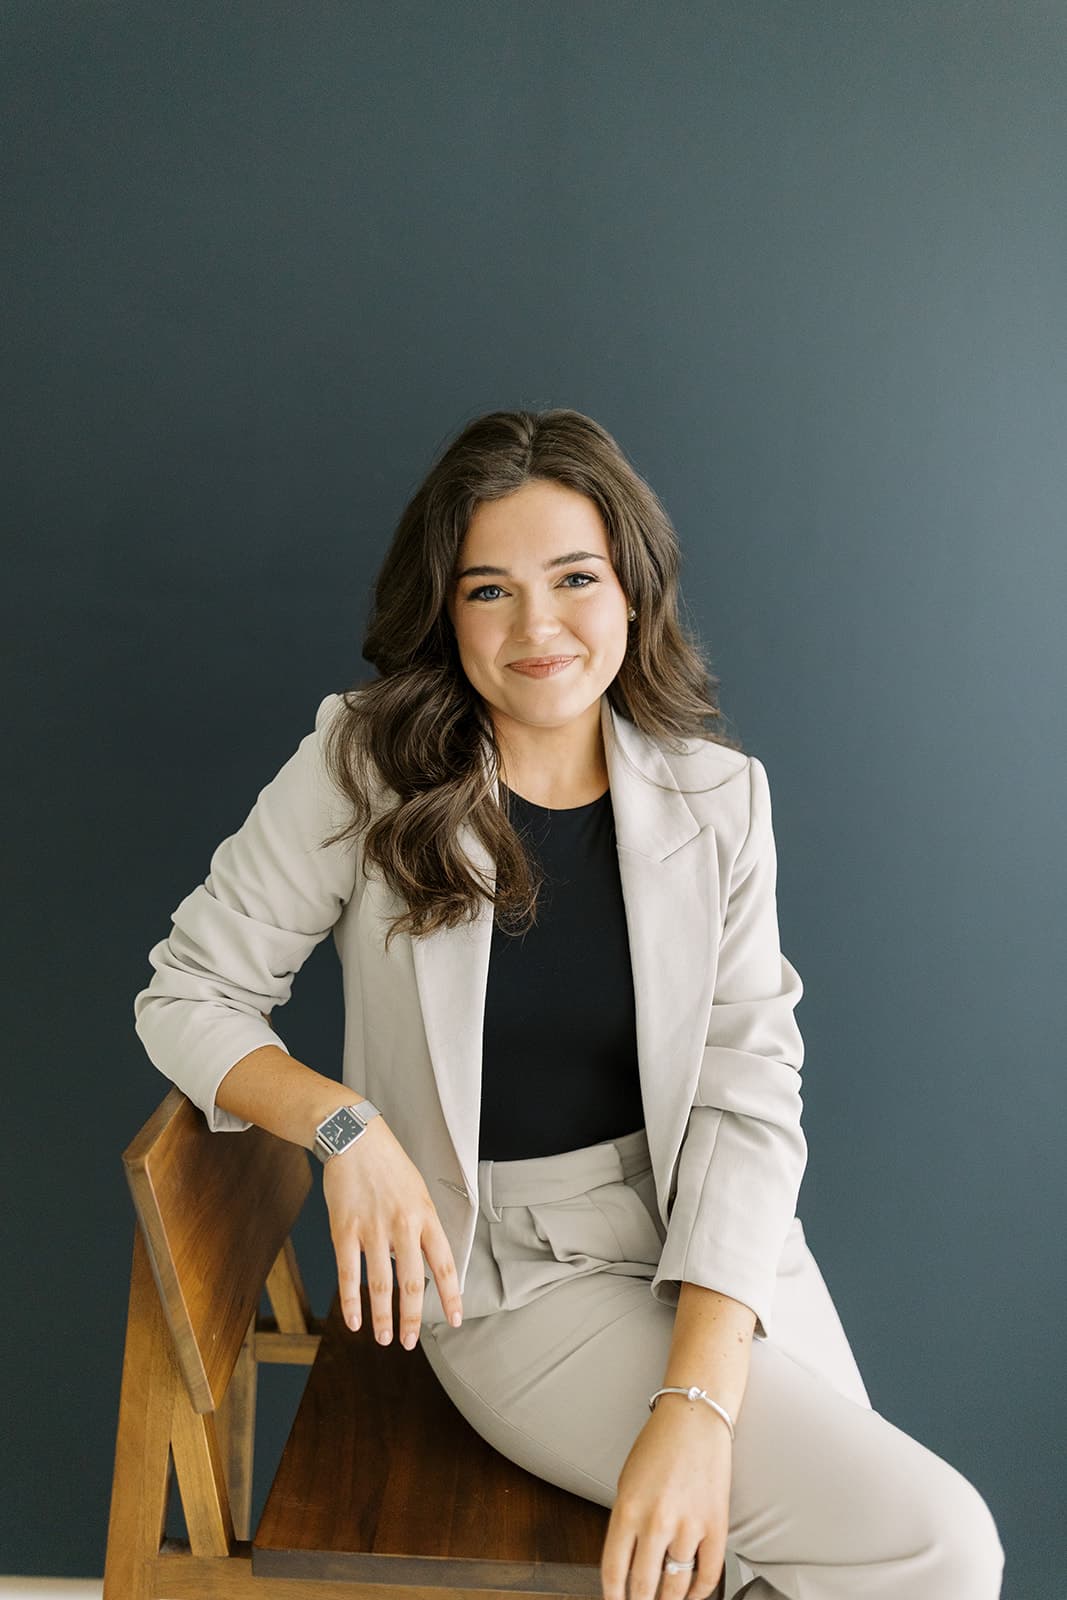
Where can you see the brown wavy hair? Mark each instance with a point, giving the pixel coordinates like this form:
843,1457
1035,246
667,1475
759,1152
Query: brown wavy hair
422,730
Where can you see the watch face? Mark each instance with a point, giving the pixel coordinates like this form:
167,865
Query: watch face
341,1127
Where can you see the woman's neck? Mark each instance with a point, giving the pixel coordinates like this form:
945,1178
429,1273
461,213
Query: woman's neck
555,767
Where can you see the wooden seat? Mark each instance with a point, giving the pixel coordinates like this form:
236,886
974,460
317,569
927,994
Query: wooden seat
382,1481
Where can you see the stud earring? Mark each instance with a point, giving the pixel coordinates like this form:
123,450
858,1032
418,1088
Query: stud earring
632,614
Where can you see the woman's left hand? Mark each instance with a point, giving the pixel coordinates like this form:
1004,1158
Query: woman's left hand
673,1499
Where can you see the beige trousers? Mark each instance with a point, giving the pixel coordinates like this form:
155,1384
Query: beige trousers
562,1343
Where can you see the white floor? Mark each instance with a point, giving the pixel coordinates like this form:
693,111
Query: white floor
51,1588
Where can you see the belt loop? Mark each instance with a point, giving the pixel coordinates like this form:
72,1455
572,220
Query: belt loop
634,1153
485,1189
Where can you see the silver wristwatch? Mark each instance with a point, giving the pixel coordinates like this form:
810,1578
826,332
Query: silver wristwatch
342,1128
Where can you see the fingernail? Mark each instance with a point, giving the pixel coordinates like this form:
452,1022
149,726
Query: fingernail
385,1336
408,1340
455,1319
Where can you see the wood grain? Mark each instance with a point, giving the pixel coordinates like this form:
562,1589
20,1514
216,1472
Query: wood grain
142,1471
201,1479
177,1575
383,1480
235,1422
285,1289
216,1209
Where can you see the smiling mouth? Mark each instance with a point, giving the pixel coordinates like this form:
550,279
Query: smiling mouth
541,666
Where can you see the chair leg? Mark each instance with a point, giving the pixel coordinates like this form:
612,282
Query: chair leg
286,1292
236,1421
201,1473
141,1478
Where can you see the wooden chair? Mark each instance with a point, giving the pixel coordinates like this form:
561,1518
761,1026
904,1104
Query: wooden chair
381,1481
383,1488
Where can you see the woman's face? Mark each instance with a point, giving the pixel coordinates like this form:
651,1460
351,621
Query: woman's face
534,604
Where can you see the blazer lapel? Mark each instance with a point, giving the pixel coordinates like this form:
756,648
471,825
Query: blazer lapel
668,868
668,871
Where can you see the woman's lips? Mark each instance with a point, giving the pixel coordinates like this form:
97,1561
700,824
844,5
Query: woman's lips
532,669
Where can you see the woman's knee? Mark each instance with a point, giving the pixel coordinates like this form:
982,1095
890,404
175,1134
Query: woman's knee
964,1549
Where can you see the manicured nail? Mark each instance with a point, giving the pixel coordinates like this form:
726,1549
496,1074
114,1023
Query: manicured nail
408,1341
385,1336
455,1319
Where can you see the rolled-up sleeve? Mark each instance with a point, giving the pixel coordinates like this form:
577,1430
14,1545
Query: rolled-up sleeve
744,1153
271,895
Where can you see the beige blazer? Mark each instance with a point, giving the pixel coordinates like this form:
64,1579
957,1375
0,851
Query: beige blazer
719,1050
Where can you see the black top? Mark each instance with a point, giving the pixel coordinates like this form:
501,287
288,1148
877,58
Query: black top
559,1049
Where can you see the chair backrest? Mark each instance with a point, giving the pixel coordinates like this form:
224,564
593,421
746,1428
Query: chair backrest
215,1210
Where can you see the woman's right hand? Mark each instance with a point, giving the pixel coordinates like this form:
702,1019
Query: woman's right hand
378,1203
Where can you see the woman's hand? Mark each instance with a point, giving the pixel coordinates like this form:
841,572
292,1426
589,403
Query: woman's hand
673,1499
379,1204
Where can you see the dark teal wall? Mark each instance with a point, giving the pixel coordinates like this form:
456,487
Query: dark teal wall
807,262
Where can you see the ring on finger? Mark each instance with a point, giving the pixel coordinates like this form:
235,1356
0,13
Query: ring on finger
672,1566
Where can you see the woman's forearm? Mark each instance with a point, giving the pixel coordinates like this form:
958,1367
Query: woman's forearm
275,1091
711,1348
712,1338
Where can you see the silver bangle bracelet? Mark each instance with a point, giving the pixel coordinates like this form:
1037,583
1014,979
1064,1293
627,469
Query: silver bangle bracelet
695,1394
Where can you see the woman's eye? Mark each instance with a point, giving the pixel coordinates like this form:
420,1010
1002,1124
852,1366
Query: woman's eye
476,594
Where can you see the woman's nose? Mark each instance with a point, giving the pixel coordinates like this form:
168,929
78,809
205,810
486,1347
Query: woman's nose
536,619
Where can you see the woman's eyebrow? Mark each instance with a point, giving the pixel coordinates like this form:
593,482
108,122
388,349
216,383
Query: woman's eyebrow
502,572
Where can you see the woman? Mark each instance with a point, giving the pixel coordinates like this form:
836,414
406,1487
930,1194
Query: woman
570,1042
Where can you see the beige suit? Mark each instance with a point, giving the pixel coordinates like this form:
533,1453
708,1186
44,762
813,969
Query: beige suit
563,1341
718,1046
